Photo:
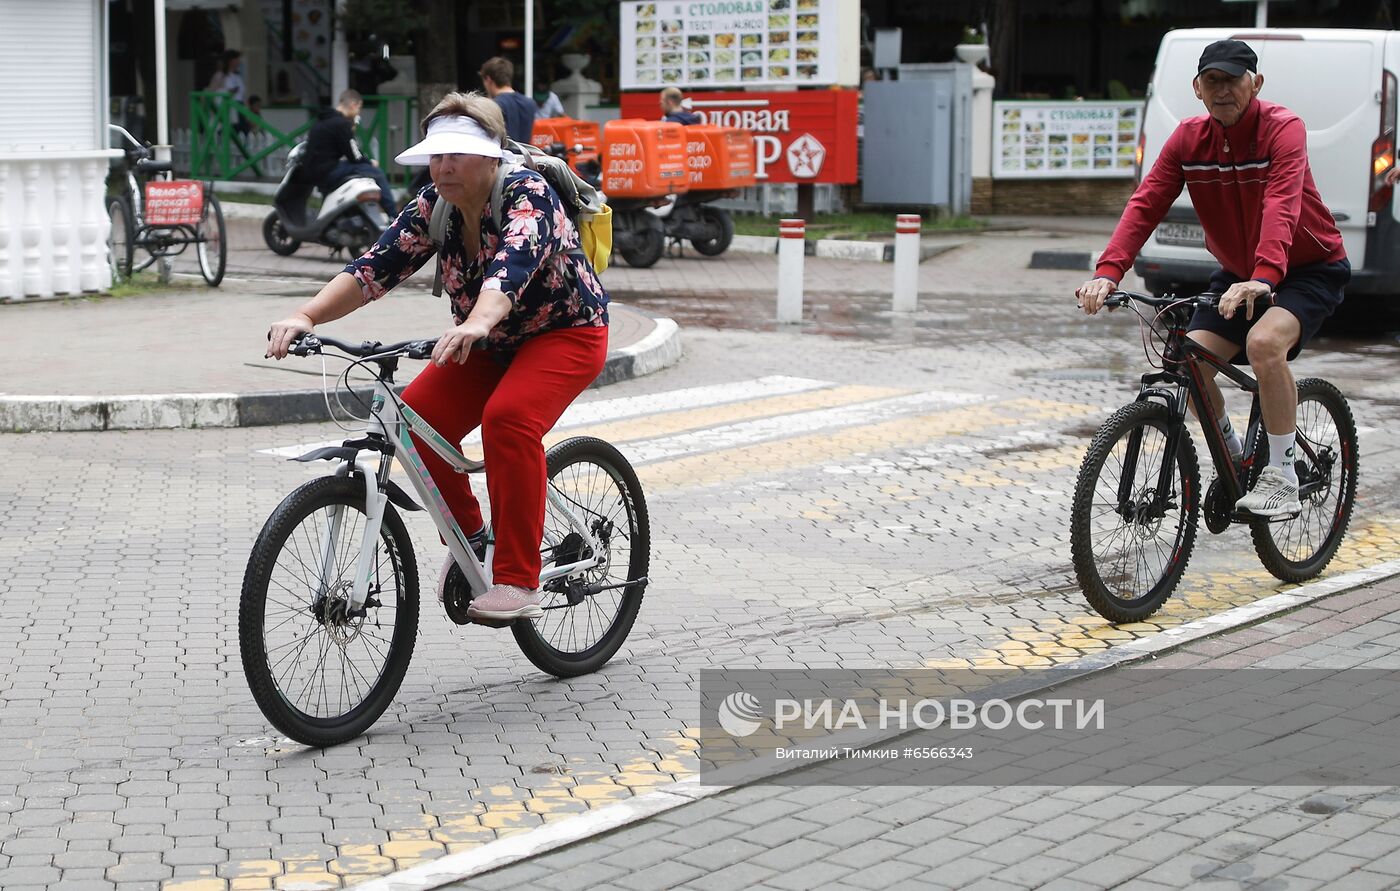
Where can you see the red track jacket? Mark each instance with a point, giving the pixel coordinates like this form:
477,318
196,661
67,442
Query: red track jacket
1252,189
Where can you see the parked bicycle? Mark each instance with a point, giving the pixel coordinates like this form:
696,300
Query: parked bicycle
1138,500
189,214
329,607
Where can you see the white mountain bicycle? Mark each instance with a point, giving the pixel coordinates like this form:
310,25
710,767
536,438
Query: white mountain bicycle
329,608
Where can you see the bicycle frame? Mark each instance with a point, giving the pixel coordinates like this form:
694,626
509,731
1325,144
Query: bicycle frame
1182,368
389,429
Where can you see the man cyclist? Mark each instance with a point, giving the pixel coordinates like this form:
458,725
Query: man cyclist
1245,164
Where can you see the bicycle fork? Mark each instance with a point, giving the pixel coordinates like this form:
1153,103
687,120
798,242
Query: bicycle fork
375,500
1176,428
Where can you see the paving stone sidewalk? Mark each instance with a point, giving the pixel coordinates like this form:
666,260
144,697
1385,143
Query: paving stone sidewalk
791,837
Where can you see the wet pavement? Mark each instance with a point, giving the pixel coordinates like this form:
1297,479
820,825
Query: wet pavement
859,490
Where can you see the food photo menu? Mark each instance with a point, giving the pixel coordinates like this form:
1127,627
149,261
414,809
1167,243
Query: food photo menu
728,43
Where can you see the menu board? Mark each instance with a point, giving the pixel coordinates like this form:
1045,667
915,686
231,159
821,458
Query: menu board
1069,140
728,43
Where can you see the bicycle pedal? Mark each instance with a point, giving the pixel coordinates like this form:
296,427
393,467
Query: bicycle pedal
492,623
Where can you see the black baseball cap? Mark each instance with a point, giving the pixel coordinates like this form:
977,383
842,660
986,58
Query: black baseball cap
1233,57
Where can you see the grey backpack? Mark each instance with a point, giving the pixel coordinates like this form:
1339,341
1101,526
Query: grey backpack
581,201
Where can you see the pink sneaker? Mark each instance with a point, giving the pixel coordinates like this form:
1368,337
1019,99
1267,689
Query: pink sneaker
506,602
447,566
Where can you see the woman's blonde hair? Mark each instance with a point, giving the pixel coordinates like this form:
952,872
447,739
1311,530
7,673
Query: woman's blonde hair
472,105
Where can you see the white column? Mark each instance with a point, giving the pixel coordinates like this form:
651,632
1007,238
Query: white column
162,87
791,254
61,230
906,262
340,53
6,289
94,274
33,231
530,48
982,86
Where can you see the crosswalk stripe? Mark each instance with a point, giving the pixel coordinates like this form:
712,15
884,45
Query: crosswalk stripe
745,433
654,426
621,408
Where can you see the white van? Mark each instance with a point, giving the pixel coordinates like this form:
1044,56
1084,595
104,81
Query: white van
1342,83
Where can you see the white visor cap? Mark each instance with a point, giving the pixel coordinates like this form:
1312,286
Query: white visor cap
452,135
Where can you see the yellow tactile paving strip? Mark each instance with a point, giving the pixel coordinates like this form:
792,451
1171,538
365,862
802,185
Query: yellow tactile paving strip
1200,594
822,447
501,811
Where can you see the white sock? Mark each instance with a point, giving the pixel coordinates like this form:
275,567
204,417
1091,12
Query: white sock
1281,454
1232,438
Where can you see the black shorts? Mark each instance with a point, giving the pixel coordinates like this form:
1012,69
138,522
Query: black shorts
1311,293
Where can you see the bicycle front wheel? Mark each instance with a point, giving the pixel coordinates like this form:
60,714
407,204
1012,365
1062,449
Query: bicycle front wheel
1130,540
579,630
1325,457
321,673
212,246
121,238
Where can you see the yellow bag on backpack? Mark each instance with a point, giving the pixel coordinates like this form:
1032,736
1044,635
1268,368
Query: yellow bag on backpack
596,237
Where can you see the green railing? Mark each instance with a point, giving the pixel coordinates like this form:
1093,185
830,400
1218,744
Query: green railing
219,151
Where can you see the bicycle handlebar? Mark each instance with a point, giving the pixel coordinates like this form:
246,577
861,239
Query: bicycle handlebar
309,344
1207,298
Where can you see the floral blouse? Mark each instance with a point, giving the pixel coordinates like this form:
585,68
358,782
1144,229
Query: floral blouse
536,262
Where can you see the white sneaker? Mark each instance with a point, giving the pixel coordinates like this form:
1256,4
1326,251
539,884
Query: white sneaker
1272,496
506,602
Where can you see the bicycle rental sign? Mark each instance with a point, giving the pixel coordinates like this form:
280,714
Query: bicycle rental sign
807,136
174,202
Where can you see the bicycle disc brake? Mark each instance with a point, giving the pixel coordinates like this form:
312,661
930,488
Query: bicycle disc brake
1217,507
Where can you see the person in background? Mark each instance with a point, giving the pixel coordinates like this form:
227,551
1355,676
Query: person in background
229,76
518,110
229,79
548,102
676,108
332,154
245,125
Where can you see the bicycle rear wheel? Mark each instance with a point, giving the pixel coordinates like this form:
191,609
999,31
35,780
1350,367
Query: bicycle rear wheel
579,631
1129,547
320,674
121,238
1300,548
212,246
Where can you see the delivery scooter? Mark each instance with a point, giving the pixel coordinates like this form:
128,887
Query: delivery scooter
351,216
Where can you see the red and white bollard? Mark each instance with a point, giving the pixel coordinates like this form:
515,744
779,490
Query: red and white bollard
791,251
906,262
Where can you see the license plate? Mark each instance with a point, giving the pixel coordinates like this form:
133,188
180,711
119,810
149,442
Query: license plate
1183,234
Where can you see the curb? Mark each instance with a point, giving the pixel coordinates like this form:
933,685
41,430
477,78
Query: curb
507,851
238,210
836,249
49,414
1075,260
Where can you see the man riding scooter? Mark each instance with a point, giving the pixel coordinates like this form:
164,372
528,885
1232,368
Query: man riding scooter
333,155
357,195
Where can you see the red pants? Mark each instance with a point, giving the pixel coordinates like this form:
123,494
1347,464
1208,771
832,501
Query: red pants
515,405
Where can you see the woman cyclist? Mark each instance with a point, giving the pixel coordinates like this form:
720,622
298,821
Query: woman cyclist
530,331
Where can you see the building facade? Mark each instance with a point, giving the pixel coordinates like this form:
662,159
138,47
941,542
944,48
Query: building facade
53,148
